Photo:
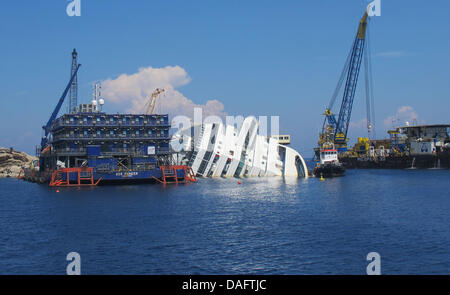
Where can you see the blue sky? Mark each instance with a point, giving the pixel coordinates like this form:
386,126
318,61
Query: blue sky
256,57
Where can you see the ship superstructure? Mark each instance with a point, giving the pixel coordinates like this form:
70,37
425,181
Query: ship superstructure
113,144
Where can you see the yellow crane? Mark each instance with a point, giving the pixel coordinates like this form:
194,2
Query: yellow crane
151,103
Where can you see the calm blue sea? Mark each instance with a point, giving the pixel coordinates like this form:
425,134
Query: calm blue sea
262,226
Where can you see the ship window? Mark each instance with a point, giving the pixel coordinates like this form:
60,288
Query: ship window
124,132
111,132
98,119
99,132
111,119
85,119
137,132
85,132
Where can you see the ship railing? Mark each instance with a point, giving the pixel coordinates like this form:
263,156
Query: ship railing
108,124
130,152
109,136
70,151
112,152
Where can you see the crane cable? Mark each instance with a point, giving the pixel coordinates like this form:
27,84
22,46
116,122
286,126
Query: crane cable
339,84
341,79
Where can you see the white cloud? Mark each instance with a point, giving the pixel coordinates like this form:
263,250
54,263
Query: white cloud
404,114
131,92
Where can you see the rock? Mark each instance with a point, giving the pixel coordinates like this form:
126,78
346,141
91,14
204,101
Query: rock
12,162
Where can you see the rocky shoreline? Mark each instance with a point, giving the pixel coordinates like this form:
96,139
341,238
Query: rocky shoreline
12,161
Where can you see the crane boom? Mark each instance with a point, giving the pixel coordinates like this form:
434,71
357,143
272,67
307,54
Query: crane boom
52,118
335,130
151,104
352,80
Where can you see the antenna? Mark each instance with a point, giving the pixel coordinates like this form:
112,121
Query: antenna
96,94
101,101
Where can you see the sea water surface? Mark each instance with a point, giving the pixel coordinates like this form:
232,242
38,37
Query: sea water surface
217,226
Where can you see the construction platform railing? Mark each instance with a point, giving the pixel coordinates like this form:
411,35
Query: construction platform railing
170,174
141,136
83,176
109,123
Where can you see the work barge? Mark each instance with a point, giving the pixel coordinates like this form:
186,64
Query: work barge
408,147
87,147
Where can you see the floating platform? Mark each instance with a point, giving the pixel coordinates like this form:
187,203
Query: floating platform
88,176
416,147
400,162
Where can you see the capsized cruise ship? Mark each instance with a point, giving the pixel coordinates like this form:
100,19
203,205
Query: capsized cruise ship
218,150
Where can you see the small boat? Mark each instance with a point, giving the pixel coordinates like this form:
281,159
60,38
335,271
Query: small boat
329,165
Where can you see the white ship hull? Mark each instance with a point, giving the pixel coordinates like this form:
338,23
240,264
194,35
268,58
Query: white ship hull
225,151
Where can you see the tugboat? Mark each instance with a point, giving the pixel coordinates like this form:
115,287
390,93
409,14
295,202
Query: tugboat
329,165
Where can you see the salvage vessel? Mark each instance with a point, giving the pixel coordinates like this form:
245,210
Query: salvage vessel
413,147
87,146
